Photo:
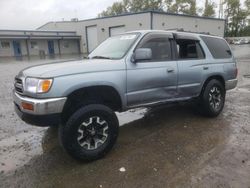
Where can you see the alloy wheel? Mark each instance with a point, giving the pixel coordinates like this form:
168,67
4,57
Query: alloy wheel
92,133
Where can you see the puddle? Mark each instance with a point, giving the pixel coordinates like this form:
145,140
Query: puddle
18,150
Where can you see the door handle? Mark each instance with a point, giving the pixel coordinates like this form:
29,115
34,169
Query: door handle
170,70
205,68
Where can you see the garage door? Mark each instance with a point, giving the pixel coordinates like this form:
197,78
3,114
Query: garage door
91,38
116,30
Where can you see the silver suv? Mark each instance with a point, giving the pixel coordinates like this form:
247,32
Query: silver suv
135,69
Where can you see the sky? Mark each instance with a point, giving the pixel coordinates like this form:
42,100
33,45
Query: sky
30,14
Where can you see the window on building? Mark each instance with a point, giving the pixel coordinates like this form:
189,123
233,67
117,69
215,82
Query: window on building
189,49
5,44
66,44
33,45
218,47
160,46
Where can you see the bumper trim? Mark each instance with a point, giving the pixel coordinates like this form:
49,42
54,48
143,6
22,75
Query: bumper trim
231,84
41,106
39,120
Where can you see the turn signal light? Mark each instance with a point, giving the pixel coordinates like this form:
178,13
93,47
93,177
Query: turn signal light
27,106
46,85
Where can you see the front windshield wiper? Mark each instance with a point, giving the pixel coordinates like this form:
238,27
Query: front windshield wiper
100,57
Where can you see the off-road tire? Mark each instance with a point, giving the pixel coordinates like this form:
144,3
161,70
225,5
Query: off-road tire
69,132
206,104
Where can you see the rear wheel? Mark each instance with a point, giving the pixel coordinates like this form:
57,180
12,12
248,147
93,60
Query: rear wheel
90,132
212,98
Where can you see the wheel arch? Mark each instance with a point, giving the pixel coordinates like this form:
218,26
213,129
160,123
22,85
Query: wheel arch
211,77
102,94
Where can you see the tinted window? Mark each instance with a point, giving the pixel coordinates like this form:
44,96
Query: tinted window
160,46
218,47
189,49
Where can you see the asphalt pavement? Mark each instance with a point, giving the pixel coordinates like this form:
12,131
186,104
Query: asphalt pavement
167,146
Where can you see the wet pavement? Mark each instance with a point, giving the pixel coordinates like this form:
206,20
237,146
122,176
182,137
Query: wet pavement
167,146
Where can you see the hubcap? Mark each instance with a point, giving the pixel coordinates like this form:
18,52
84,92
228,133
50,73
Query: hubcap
215,97
92,133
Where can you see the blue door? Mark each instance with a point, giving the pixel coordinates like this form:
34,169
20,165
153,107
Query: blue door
17,48
51,47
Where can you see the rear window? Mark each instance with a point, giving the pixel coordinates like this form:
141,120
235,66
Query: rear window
218,47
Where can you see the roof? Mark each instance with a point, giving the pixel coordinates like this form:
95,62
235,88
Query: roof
143,12
37,34
187,33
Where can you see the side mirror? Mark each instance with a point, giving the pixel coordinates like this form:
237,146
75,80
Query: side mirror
142,54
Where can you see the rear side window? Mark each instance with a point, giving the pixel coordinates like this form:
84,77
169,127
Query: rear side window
160,46
189,49
218,47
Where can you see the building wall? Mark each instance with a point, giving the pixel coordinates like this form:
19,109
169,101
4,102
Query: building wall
42,45
73,46
8,52
164,22
131,22
138,21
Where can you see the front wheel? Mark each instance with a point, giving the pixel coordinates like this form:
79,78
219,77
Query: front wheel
212,98
90,132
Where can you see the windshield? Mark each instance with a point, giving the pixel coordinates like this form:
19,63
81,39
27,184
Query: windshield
114,47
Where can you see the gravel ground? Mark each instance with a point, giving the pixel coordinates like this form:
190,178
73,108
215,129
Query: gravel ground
160,147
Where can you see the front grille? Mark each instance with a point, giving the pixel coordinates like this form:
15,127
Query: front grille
18,85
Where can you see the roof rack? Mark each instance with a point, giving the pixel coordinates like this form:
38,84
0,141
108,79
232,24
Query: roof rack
182,30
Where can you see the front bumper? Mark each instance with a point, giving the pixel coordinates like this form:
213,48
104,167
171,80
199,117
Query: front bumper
231,84
41,106
46,112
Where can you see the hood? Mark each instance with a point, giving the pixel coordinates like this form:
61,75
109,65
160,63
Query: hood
73,67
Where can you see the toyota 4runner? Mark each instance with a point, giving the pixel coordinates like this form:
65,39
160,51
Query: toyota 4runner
135,69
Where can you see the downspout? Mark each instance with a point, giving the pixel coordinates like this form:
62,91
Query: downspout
151,20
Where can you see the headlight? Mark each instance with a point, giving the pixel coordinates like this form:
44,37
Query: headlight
35,85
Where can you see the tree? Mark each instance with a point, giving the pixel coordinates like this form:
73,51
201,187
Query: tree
115,9
143,5
235,17
132,6
209,9
181,6
247,4
175,6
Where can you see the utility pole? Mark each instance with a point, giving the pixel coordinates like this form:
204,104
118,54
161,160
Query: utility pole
221,9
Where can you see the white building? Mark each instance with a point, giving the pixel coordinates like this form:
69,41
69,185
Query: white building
94,31
33,43
85,35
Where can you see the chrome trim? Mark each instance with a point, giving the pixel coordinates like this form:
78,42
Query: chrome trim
18,85
41,106
231,84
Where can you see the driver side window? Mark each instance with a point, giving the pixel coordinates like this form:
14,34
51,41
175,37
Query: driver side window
159,45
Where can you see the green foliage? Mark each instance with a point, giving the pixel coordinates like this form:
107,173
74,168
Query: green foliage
181,6
115,9
235,17
132,6
247,5
209,9
143,5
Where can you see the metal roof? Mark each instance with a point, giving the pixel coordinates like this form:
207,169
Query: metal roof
37,34
143,12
